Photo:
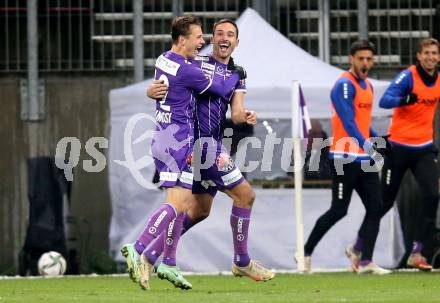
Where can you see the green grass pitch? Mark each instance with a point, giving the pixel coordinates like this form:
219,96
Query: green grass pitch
324,287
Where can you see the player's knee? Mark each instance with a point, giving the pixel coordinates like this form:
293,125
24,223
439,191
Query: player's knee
376,211
338,213
248,199
244,197
386,206
251,197
203,214
199,213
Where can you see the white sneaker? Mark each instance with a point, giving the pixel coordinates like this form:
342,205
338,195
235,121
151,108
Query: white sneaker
254,270
307,263
372,268
353,256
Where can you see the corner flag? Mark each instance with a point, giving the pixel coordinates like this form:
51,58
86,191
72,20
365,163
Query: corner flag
300,129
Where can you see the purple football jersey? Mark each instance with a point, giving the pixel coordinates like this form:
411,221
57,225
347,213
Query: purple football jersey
173,139
211,109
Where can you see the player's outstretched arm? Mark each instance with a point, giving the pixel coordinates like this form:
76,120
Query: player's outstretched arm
224,88
198,82
157,90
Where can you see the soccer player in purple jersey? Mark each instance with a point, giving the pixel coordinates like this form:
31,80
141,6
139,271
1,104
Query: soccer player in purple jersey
222,174
172,146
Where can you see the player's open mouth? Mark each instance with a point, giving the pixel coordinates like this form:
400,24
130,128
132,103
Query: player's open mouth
224,46
364,70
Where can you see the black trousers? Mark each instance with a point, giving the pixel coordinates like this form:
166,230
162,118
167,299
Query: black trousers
423,165
367,185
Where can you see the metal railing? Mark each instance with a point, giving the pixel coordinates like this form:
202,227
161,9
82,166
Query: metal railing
395,26
97,35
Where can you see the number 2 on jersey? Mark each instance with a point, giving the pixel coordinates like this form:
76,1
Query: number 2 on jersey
167,108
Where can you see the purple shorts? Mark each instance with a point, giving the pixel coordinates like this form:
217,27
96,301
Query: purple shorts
220,175
173,162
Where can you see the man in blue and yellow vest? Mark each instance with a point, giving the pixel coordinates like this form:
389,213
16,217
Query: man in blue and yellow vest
414,95
352,100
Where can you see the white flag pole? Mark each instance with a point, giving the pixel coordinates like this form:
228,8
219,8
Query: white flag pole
297,134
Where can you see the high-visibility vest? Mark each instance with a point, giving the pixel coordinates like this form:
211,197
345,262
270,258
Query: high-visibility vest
413,124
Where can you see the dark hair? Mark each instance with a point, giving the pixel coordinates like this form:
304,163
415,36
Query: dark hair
428,42
181,26
225,21
361,45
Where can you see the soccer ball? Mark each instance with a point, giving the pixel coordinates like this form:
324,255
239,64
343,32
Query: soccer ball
51,264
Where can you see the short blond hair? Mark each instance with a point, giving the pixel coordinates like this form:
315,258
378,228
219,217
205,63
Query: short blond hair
428,42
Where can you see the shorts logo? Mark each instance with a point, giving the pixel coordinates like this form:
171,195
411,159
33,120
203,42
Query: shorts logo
152,230
224,162
169,241
240,237
189,162
232,177
207,183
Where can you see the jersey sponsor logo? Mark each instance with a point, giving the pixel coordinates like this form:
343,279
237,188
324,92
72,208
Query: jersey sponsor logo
162,117
208,74
224,162
429,102
232,177
207,66
364,105
168,66
202,58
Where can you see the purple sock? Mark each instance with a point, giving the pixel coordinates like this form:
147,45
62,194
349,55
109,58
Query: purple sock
364,262
157,223
139,247
153,252
358,245
417,247
172,239
240,219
